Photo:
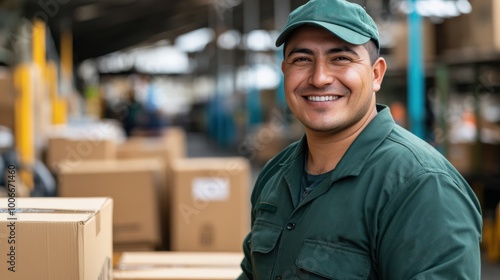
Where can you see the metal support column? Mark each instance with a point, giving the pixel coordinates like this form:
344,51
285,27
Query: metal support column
281,11
416,82
251,22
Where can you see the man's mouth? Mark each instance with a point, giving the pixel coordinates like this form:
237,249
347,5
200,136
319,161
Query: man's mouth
323,98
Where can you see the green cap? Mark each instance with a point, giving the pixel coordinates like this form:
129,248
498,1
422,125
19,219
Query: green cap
347,20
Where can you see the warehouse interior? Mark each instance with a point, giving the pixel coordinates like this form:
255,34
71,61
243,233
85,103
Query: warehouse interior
130,99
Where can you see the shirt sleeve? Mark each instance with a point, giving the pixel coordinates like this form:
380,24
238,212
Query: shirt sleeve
430,230
246,264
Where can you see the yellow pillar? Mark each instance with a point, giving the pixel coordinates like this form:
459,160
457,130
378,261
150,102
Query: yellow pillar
24,123
24,104
39,46
58,103
67,55
66,73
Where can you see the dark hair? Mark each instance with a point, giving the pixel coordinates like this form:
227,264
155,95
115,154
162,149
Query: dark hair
373,51
370,46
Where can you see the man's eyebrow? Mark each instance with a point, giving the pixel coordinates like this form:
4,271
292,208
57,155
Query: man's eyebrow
340,49
300,50
343,48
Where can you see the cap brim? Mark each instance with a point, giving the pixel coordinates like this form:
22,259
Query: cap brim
340,31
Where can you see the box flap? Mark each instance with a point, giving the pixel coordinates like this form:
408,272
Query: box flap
211,163
42,209
119,166
140,260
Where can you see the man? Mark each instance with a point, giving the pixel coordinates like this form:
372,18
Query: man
358,197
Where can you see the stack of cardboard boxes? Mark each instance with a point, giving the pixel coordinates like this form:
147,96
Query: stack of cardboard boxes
163,201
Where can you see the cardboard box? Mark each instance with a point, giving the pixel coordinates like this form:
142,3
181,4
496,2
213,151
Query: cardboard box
179,273
74,151
166,259
176,141
472,34
400,49
7,117
6,88
170,142
6,98
133,247
485,25
466,156
210,204
56,239
449,40
134,187
167,148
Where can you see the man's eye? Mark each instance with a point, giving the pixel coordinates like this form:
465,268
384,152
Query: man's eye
300,59
341,58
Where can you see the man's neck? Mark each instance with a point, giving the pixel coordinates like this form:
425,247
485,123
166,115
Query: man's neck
326,150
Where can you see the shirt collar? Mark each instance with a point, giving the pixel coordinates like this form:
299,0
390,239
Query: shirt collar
363,146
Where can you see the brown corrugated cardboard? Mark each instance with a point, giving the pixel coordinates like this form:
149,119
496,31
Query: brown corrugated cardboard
7,116
469,158
6,98
472,34
210,210
400,49
73,151
166,259
146,147
6,88
176,141
174,136
133,247
179,273
485,25
134,187
56,239
168,146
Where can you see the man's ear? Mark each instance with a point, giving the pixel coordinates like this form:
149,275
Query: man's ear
379,68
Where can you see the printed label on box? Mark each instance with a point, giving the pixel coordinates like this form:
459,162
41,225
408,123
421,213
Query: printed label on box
213,188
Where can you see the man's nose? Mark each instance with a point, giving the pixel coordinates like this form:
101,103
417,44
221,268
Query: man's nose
321,75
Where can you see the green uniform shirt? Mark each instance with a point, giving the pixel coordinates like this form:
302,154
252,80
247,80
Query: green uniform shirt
393,209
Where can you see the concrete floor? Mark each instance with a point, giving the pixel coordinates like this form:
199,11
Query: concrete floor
199,145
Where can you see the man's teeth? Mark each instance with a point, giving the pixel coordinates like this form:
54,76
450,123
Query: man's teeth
322,98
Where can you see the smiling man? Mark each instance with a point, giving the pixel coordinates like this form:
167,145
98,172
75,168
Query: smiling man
358,197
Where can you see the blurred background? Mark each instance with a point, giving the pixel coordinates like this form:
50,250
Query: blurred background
101,80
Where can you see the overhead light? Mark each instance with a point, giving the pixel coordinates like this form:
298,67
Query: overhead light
194,41
229,40
437,8
258,40
162,60
260,76
464,6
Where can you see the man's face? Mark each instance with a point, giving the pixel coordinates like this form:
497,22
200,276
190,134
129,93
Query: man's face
330,84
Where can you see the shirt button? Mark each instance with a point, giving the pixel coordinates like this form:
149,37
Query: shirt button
290,226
